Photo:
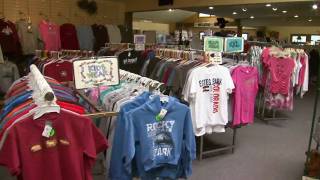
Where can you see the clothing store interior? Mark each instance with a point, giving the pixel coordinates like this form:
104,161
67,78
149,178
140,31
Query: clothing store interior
159,89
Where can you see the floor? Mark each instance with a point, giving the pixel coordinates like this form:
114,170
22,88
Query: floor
274,151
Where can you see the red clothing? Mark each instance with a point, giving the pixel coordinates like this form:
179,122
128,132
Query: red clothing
69,38
9,38
61,71
281,70
71,107
50,35
69,154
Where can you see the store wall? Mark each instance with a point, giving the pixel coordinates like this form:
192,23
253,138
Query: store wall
62,11
151,26
286,31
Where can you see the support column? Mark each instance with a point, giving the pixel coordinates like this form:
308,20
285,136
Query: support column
128,24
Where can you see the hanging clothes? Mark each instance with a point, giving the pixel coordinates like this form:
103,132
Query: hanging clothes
9,38
50,34
100,33
8,74
85,37
69,38
29,37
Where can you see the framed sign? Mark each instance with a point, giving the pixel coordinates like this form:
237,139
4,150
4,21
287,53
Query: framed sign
139,39
90,73
234,44
213,44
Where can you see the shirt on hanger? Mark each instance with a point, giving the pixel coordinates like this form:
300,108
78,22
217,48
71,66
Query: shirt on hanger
69,38
100,33
50,34
61,70
85,37
9,38
28,35
131,61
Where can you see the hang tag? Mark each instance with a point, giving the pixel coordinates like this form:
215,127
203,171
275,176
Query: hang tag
164,99
48,131
161,115
215,58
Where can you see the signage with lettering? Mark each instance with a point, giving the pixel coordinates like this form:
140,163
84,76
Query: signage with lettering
214,44
139,39
215,57
234,44
91,73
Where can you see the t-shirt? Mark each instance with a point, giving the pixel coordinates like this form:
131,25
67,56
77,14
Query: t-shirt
246,89
69,38
209,88
69,154
281,70
131,61
61,71
9,38
50,34
8,74
85,37
28,36
100,33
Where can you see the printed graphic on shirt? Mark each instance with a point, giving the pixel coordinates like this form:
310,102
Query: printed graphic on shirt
160,133
212,86
7,31
130,61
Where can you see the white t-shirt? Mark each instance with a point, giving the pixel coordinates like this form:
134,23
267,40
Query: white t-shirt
208,97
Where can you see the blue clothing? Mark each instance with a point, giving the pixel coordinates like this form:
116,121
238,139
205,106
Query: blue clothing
15,102
165,143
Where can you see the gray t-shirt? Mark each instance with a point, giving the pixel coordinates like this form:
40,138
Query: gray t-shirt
29,37
85,37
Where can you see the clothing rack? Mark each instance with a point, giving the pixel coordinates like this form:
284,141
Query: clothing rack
57,54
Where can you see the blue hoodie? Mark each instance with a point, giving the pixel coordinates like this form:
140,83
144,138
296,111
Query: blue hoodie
165,143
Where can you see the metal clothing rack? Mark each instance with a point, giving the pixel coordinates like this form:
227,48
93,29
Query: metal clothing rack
205,153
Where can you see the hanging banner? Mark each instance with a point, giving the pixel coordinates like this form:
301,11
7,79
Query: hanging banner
213,44
90,73
234,44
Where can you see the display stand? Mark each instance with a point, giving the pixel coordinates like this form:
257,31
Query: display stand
314,118
203,152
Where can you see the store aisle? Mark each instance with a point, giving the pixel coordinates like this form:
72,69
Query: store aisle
265,152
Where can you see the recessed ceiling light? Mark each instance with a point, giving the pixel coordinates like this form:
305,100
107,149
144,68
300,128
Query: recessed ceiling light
274,9
315,6
296,16
251,17
284,12
234,13
210,7
244,9
170,10
310,20
268,5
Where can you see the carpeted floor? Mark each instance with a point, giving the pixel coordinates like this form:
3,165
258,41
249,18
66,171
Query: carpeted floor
274,151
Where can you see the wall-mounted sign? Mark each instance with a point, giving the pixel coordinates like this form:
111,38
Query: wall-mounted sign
213,44
91,73
234,44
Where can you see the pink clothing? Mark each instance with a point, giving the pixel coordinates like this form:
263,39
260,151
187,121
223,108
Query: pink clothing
94,94
246,80
302,70
281,70
50,34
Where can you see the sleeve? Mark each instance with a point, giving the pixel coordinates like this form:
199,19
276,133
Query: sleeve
229,82
9,154
117,170
190,143
128,143
234,77
191,87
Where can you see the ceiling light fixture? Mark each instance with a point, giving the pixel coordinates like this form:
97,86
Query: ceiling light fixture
170,10
251,17
210,7
310,20
284,12
234,13
268,5
244,9
296,16
274,9
315,6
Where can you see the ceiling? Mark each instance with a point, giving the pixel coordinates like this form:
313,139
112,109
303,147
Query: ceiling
164,16
262,15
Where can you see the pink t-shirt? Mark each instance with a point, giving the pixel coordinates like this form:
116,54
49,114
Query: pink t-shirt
246,88
281,70
50,34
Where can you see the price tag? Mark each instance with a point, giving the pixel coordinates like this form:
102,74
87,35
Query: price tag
215,57
48,131
213,44
161,115
234,44
139,47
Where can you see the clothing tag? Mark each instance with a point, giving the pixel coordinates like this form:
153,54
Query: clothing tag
48,131
164,99
161,115
215,58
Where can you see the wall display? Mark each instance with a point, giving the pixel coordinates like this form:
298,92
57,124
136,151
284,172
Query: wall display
91,73
234,44
214,44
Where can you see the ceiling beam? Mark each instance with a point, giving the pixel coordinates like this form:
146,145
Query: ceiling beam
152,5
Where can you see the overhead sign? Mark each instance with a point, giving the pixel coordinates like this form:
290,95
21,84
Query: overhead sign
213,44
90,73
234,44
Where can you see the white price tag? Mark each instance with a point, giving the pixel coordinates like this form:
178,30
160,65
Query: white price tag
161,115
139,47
215,57
47,131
